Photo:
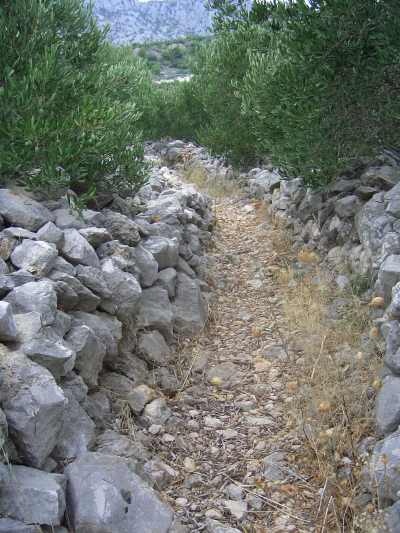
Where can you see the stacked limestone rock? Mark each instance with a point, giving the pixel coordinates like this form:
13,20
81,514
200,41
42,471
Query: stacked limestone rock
356,222
90,307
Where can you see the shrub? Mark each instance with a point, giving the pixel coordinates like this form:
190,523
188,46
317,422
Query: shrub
67,115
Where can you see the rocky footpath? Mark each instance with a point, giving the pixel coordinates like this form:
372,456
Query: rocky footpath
92,306
354,226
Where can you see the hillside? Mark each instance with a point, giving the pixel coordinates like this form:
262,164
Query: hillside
134,21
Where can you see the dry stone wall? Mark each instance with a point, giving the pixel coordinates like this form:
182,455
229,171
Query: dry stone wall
92,304
355,225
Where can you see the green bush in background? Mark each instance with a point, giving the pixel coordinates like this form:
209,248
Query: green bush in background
310,85
72,109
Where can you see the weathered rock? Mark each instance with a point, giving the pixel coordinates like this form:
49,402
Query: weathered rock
213,526
50,233
121,227
53,354
164,250
8,329
347,207
167,280
96,236
98,407
383,472
3,429
36,257
274,467
89,353
391,518
128,504
8,282
77,433
153,348
72,294
67,219
146,267
32,496
383,177
140,397
93,279
77,250
73,386
155,311
19,233
125,292
28,325
223,373
372,223
158,474
108,329
20,210
112,443
61,265
8,525
389,275
156,412
35,296
190,308
388,405
33,405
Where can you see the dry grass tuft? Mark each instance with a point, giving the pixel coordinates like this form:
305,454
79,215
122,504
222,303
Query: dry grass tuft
332,385
217,187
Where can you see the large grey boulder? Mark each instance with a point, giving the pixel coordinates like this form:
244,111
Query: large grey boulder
61,265
121,227
93,279
73,385
72,294
77,434
372,223
113,443
37,257
388,405
264,182
347,207
96,236
164,250
391,332
50,233
77,250
167,280
383,177
165,209
8,329
127,503
146,267
153,348
20,210
52,353
8,282
389,276
19,234
67,219
125,292
29,326
32,496
108,329
155,311
33,405
190,308
38,296
98,407
89,351
383,469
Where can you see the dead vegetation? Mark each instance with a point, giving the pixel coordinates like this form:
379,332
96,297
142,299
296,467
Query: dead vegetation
334,362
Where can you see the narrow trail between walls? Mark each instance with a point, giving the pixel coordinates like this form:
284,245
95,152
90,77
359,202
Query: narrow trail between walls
234,448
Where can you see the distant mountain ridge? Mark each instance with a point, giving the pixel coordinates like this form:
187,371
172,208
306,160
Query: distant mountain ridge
156,20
